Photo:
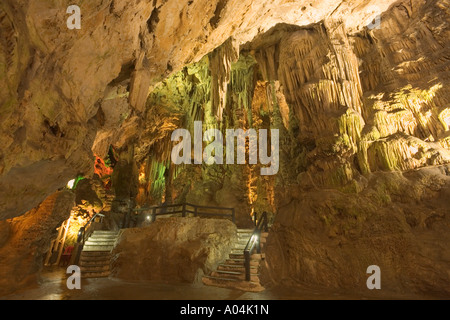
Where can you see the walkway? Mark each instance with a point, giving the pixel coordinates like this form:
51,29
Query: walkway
53,288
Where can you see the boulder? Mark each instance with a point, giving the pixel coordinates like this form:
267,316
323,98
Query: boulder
173,249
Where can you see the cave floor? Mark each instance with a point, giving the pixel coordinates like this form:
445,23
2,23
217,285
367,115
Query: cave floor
53,287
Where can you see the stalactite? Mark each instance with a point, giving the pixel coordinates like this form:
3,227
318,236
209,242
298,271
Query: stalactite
220,67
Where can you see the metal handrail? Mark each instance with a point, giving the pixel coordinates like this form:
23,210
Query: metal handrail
81,239
254,242
82,232
184,210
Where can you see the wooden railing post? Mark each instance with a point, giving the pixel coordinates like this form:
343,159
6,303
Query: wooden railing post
233,215
184,210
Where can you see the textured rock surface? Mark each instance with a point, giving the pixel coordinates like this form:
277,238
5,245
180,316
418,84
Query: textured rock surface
350,103
25,240
328,239
56,79
173,249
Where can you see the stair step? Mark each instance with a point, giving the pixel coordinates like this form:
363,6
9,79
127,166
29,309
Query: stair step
100,242
95,254
106,232
236,268
221,279
241,262
244,237
94,269
103,237
103,242
240,255
234,275
228,272
97,248
94,261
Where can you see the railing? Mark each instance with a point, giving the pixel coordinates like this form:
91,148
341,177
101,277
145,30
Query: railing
255,243
186,208
84,233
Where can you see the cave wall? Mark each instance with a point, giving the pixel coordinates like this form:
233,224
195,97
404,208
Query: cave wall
369,106
56,79
343,109
367,101
24,241
350,103
327,239
191,95
354,110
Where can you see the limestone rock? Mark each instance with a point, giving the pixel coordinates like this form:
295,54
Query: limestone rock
173,249
327,239
23,247
56,78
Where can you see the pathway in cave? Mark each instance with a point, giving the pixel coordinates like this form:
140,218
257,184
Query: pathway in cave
53,287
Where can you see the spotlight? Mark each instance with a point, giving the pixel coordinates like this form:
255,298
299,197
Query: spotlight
70,184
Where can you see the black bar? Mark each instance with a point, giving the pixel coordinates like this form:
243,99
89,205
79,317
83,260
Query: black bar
247,265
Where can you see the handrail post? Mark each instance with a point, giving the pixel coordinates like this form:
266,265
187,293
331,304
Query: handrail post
233,215
153,214
258,241
184,211
247,265
195,211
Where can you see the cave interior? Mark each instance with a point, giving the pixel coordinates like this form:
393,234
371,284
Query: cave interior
164,141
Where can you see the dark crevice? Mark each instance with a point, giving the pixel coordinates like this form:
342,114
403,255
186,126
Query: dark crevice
153,21
124,75
54,129
217,14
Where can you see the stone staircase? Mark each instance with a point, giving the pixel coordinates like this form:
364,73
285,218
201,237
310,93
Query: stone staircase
96,255
231,273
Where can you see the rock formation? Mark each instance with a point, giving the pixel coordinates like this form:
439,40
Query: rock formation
173,250
328,239
25,240
57,79
359,92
